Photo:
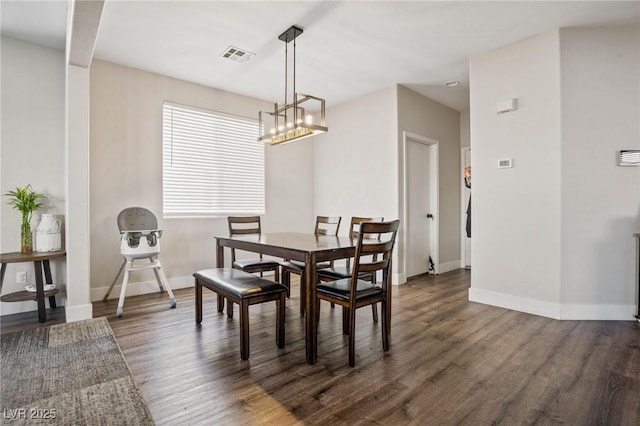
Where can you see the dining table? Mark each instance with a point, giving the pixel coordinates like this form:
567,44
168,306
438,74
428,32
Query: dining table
307,248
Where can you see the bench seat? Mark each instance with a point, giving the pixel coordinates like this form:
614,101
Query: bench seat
244,289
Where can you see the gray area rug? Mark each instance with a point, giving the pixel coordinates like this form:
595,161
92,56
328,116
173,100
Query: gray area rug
68,374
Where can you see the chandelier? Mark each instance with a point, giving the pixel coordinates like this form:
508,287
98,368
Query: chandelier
291,121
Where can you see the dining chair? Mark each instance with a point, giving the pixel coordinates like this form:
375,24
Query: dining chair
339,272
325,225
250,225
372,255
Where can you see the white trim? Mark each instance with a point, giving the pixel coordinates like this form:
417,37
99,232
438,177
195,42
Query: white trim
141,287
463,210
398,279
78,312
553,310
449,266
434,193
598,312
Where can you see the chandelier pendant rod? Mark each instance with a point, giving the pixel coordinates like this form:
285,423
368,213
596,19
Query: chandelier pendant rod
295,96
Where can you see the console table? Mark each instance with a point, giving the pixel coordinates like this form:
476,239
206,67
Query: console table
40,260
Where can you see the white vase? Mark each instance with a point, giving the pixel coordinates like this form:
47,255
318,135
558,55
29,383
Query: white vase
48,235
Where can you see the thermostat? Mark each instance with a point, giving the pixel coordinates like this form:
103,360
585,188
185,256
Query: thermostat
507,163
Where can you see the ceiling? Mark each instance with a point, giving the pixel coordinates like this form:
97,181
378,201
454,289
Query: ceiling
348,49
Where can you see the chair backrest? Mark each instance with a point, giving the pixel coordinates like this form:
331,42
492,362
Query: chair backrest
137,219
327,225
354,230
374,256
243,225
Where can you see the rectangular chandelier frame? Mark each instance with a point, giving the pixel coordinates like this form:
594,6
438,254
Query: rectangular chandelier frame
289,121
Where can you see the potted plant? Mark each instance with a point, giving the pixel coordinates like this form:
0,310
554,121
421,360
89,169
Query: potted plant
26,201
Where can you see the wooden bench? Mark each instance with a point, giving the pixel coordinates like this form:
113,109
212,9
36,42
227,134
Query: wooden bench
244,289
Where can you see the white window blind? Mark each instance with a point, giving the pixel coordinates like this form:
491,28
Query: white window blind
212,163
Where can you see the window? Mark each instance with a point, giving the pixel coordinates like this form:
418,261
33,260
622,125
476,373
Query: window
212,163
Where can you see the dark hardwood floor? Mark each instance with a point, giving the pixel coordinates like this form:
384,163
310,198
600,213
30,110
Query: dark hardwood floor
451,361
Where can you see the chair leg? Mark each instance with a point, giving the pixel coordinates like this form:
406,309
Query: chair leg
198,302
115,279
123,290
374,310
303,294
352,337
277,274
244,329
155,272
345,320
385,326
220,303
280,333
162,280
286,281
229,308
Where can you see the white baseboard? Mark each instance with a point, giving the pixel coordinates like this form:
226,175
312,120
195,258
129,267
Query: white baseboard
449,266
141,287
557,311
398,279
79,312
599,312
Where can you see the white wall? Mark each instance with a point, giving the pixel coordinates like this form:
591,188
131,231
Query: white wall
32,147
465,135
516,216
601,201
354,172
126,170
425,117
355,162
553,235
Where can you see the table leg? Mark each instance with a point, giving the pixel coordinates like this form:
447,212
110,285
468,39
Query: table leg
42,313
2,271
220,264
49,280
311,322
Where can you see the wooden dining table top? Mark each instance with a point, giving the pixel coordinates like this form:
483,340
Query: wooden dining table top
293,245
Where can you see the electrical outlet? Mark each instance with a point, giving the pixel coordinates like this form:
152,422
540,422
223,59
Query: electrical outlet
21,277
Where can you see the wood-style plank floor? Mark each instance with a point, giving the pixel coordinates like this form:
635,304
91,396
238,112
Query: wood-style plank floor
451,361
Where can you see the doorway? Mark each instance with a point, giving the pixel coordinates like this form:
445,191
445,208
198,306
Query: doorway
465,243
421,214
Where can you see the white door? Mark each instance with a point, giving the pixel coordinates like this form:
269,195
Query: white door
418,207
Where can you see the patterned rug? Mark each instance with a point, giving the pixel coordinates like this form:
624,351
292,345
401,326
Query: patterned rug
68,374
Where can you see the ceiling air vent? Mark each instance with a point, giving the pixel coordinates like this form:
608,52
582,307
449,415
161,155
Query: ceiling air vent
237,54
629,157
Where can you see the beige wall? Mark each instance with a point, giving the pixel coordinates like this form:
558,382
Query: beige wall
126,170
425,117
553,234
357,168
516,211
600,201
32,148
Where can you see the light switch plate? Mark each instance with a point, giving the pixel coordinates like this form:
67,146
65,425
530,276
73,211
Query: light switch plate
507,106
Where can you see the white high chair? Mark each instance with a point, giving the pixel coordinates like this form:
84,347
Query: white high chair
139,239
